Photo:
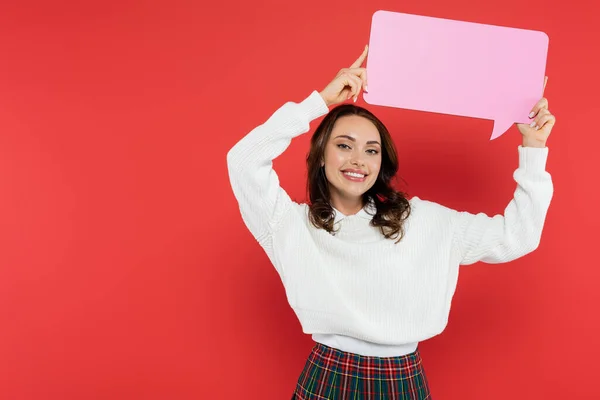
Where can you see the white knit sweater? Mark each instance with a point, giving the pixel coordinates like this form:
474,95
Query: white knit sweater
356,283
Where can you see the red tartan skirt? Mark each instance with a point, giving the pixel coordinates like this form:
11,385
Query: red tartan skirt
333,374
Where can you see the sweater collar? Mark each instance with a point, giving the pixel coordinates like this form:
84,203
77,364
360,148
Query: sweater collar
366,212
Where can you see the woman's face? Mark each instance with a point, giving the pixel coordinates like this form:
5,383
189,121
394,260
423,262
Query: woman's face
354,145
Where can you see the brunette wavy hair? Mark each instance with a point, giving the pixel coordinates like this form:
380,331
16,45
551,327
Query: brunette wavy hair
393,207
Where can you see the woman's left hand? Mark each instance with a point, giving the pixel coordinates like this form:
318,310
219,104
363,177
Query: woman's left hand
536,134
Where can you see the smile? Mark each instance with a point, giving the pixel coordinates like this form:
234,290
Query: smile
354,177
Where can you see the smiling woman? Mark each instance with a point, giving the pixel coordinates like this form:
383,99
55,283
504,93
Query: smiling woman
351,163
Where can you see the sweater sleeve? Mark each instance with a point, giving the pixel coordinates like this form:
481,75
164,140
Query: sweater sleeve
262,202
503,238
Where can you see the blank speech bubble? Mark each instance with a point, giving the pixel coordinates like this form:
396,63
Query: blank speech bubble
455,67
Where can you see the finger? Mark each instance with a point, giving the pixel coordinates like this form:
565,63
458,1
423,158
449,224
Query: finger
342,71
543,117
360,59
357,84
543,103
362,74
353,82
545,81
546,121
536,121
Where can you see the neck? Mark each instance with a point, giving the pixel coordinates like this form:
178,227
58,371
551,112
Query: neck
347,206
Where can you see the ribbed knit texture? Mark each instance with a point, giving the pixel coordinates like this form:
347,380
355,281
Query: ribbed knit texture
363,285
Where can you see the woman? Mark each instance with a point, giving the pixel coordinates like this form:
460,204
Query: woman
368,272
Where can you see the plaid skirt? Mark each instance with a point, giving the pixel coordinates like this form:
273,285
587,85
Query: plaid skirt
333,374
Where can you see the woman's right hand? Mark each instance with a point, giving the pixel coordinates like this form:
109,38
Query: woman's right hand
347,83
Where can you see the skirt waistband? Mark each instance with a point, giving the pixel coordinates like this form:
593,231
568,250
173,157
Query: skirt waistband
351,364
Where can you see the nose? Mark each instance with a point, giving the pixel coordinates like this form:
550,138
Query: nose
356,160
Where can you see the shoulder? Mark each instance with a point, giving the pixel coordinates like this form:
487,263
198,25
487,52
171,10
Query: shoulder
429,210
301,210
418,203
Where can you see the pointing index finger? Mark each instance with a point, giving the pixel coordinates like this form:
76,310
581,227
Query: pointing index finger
360,59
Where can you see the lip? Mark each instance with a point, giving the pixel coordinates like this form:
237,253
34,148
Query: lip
352,178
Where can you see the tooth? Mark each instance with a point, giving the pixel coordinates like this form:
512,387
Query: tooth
354,174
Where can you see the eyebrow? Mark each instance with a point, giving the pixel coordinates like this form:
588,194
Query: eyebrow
354,140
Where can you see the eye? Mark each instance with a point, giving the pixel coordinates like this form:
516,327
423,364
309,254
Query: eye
372,151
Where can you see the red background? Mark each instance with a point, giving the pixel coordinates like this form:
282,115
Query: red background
125,269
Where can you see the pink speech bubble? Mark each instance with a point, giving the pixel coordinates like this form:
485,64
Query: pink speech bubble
456,67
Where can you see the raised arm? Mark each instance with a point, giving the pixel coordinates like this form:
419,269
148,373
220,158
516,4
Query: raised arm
506,237
518,231
255,184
